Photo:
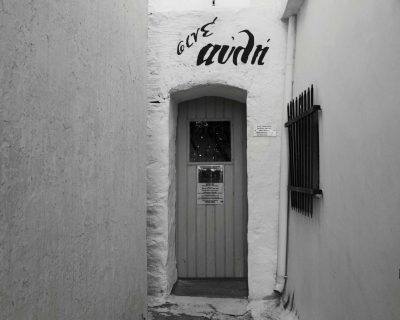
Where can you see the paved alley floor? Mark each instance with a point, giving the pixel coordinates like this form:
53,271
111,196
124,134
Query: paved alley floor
194,308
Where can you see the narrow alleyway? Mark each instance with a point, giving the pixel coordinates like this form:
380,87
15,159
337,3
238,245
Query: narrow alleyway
193,308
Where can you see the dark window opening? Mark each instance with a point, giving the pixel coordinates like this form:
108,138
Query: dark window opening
210,141
303,152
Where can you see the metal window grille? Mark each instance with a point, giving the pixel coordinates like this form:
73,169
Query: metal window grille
303,151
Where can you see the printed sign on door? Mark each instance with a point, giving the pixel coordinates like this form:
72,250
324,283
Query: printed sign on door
210,184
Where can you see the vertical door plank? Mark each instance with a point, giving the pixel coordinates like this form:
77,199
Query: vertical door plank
191,232
219,109
230,194
229,221
210,103
211,226
219,209
227,110
210,214
244,183
239,190
201,231
182,191
199,108
191,113
220,241
201,242
192,201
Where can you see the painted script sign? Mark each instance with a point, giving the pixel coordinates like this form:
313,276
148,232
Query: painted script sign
223,53
245,51
192,38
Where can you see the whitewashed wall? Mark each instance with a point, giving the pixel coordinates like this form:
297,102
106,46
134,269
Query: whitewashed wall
169,73
72,164
344,262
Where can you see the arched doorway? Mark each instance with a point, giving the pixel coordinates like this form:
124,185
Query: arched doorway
211,210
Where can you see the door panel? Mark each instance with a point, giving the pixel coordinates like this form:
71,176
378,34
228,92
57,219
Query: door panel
211,238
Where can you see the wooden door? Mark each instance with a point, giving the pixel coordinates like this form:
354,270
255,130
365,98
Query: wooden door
212,189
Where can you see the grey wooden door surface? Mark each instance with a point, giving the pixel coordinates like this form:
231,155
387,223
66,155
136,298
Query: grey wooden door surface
211,238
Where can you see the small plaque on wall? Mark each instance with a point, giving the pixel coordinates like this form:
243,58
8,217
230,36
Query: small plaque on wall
263,130
210,184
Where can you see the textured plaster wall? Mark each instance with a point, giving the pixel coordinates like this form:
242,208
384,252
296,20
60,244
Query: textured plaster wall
72,183
169,72
191,5
203,5
344,262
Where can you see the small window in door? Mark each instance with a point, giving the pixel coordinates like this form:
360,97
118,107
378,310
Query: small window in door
210,141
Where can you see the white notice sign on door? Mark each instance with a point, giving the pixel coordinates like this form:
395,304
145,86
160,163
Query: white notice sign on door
210,184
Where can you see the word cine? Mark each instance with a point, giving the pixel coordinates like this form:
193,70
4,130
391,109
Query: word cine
193,37
225,52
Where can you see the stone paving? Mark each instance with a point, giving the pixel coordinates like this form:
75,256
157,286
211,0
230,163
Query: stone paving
163,312
199,308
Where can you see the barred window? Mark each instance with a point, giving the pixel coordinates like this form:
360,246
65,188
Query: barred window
303,151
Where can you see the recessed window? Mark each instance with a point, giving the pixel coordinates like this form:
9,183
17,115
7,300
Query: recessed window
210,141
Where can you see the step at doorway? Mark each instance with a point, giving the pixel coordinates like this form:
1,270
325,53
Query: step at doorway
212,288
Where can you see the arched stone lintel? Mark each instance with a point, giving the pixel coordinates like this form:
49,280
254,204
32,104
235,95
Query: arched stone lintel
189,92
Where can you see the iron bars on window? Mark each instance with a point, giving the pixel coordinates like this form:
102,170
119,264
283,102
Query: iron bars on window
303,151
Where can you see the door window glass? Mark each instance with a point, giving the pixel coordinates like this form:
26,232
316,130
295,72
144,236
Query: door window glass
210,141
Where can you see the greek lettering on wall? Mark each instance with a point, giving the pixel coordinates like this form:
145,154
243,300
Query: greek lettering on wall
192,38
245,51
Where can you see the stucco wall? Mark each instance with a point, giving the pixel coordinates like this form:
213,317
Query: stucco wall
203,5
344,262
72,191
170,72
